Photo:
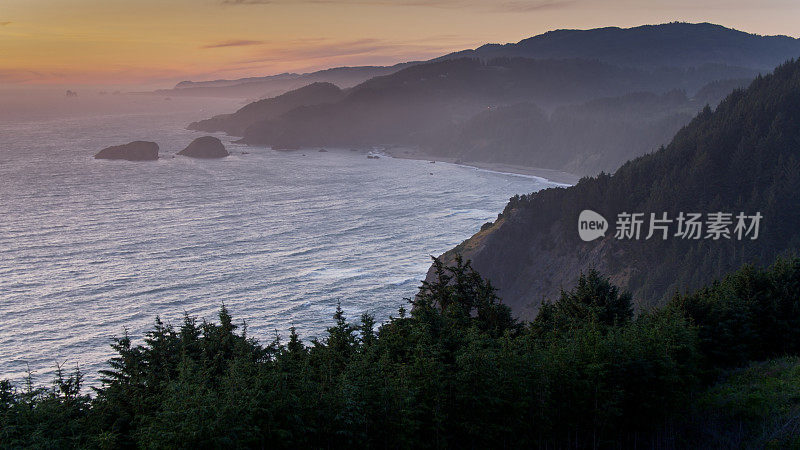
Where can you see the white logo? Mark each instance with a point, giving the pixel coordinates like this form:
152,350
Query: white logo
591,225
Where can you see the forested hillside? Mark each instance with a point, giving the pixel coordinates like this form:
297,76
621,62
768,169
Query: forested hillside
742,158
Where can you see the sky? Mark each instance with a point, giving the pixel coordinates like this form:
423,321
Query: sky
156,43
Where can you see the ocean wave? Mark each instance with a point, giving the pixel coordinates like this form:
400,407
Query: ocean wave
278,238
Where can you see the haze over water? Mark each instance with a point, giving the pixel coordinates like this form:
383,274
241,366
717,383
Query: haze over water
90,247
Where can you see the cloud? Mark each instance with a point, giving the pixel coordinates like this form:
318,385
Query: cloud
525,6
2,24
306,55
26,75
489,5
234,43
307,50
311,50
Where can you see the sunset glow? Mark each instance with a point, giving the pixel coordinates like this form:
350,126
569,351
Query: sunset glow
155,43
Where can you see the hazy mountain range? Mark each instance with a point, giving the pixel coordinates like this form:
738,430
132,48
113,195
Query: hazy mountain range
681,45
269,86
570,100
426,104
599,135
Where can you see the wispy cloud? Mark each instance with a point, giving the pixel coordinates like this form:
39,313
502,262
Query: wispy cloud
309,50
488,5
234,43
2,24
26,75
525,6
305,50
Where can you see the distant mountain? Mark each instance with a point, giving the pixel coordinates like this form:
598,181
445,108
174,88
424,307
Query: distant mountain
743,157
225,83
674,45
651,46
270,86
236,123
419,105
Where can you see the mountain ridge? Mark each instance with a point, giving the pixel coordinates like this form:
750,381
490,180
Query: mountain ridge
750,51
679,44
274,85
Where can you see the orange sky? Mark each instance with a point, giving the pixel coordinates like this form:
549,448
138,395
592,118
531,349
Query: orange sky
156,43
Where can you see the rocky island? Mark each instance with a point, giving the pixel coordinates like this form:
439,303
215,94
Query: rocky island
132,151
205,147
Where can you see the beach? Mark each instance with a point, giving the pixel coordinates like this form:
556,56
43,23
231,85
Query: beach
555,176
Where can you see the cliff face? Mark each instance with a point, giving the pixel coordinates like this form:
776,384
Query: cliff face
743,157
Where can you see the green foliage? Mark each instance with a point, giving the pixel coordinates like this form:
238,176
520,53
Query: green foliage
455,371
752,314
54,417
754,407
594,299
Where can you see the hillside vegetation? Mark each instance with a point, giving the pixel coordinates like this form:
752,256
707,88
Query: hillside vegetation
742,157
455,371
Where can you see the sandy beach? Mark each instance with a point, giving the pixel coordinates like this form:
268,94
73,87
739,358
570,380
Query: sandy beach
556,176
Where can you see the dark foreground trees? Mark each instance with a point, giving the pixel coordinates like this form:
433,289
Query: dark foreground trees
454,371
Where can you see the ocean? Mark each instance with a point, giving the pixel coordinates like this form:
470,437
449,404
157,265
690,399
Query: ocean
90,249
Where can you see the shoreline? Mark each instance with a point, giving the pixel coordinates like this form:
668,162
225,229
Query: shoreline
550,175
557,177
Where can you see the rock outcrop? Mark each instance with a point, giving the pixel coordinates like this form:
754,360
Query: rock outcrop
132,151
205,147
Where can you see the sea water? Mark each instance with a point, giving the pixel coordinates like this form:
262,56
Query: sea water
92,248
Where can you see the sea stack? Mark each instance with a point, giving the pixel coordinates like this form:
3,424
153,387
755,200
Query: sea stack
205,147
132,151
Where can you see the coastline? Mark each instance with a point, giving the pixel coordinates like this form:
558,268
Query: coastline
551,175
